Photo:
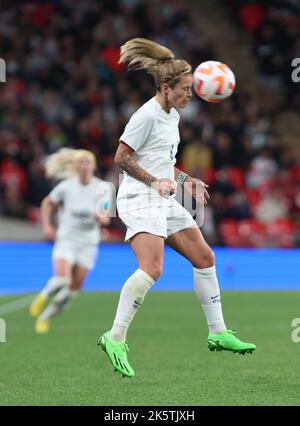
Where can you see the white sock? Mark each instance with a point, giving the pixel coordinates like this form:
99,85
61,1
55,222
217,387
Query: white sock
54,284
132,296
208,292
60,302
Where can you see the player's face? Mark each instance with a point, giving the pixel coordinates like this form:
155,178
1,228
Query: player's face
85,168
181,93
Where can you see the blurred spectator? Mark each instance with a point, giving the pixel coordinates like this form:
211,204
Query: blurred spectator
274,27
269,51
274,206
222,150
196,156
251,16
238,207
262,169
223,184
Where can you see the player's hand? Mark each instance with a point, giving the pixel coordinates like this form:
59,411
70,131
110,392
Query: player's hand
165,187
198,189
102,217
49,232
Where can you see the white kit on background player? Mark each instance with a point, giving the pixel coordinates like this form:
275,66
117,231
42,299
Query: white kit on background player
83,202
78,233
154,136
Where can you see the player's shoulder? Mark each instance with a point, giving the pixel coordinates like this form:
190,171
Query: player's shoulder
97,181
70,182
152,109
60,190
100,182
65,183
175,113
146,112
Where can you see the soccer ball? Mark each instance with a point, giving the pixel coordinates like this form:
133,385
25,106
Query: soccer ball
213,81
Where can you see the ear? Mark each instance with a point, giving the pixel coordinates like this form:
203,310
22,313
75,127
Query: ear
164,88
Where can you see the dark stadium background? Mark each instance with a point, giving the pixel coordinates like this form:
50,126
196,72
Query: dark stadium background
65,88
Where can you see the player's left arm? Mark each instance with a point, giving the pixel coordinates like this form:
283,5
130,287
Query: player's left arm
103,218
104,208
196,187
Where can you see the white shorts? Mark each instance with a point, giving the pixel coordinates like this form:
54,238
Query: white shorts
76,253
162,221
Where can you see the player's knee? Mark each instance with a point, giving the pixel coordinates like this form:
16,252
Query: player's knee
155,270
62,304
206,260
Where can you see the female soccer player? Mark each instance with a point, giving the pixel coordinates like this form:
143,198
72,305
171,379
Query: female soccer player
77,235
146,205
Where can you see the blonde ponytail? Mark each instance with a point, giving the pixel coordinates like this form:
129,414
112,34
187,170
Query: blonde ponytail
155,59
60,165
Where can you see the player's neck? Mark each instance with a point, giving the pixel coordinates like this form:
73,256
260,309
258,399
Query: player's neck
84,180
166,106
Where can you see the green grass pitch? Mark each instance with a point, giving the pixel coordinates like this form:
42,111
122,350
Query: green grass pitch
167,350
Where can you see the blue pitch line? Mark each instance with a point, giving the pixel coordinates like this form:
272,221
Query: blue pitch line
25,267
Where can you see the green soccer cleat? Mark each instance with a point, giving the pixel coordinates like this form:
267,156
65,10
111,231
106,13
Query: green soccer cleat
226,341
117,354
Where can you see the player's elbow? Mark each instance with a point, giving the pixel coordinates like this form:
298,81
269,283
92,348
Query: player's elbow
45,202
117,159
121,161
123,156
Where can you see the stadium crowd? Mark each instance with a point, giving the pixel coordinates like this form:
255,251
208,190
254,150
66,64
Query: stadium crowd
274,29
65,88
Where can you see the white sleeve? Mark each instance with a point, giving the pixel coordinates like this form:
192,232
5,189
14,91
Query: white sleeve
57,194
138,129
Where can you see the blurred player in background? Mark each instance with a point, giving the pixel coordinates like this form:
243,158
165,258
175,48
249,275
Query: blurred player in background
76,199
146,205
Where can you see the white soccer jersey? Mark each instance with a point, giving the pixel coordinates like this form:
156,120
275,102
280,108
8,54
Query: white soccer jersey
76,218
154,135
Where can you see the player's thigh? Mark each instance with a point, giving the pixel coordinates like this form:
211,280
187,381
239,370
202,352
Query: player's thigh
190,243
63,258
149,251
85,255
79,274
149,220
62,267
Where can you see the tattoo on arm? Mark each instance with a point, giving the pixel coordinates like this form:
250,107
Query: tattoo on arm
129,164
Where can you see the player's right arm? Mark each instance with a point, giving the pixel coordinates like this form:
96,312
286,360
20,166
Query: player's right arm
136,134
48,207
125,158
